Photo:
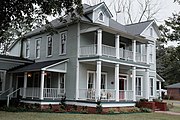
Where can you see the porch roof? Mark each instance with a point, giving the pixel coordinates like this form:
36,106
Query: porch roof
45,65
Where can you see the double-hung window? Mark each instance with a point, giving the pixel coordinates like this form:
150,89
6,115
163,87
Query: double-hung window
49,46
151,86
63,40
37,52
151,53
1,80
27,52
138,85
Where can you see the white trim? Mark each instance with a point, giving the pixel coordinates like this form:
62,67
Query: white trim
38,39
94,77
65,44
91,29
47,46
147,27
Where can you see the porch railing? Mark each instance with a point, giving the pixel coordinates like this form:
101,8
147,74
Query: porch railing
108,94
87,93
125,95
32,92
53,93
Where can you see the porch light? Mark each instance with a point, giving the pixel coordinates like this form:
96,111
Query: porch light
29,75
131,75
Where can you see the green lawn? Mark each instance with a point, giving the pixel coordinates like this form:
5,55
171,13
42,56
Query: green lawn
62,116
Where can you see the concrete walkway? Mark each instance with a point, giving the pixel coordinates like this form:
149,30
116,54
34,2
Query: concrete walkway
168,112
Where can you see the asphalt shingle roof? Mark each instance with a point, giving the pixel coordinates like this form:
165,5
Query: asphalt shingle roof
36,66
176,85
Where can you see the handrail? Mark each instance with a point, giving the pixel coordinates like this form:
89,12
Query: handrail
8,96
5,91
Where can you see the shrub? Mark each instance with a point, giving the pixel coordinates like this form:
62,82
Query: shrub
143,100
147,110
99,107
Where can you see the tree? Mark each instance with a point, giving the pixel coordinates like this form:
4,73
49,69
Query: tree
136,11
20,16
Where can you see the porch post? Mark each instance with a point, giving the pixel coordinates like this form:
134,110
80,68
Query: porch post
99,42
134,83
10,82
42,85
146,85
117,81
134,50
25,85
98,80
160,95
117,45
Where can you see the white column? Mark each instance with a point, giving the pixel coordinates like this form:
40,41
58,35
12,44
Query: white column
117,45
77,81
147,85
99,42
134,50
147,53
98,80
25,85
160,94
134,83
117,81
42,85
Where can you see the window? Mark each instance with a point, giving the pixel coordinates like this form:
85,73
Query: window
157,85
91,77
62,81
151,31
37,52
151,86
27,49
49,46
63,39
103,81
101,16
1,80
151,53
138,85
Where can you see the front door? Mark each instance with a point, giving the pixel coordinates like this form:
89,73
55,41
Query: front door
121,89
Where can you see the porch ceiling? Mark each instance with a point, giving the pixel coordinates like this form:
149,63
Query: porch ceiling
45,65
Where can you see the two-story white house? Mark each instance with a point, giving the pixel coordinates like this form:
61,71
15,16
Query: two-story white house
94,58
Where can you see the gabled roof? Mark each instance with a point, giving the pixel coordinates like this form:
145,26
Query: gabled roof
116,25
14,58
176,85
36,66
138,28
88,9
159,78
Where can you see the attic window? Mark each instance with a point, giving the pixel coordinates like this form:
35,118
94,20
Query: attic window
101,16
151,31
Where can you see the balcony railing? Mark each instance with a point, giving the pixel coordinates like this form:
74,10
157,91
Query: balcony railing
109,51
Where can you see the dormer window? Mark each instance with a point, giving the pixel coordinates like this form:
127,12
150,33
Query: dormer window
101,16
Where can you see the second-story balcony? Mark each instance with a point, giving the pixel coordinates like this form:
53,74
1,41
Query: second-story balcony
109,51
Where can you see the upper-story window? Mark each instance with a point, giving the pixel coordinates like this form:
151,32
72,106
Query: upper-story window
150,53
101,16
37,52
63,39
49,45
27,52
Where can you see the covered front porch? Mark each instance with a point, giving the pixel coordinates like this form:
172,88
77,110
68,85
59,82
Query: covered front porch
107,81
39,81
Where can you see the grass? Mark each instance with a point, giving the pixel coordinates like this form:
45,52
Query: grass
62,116
176,105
